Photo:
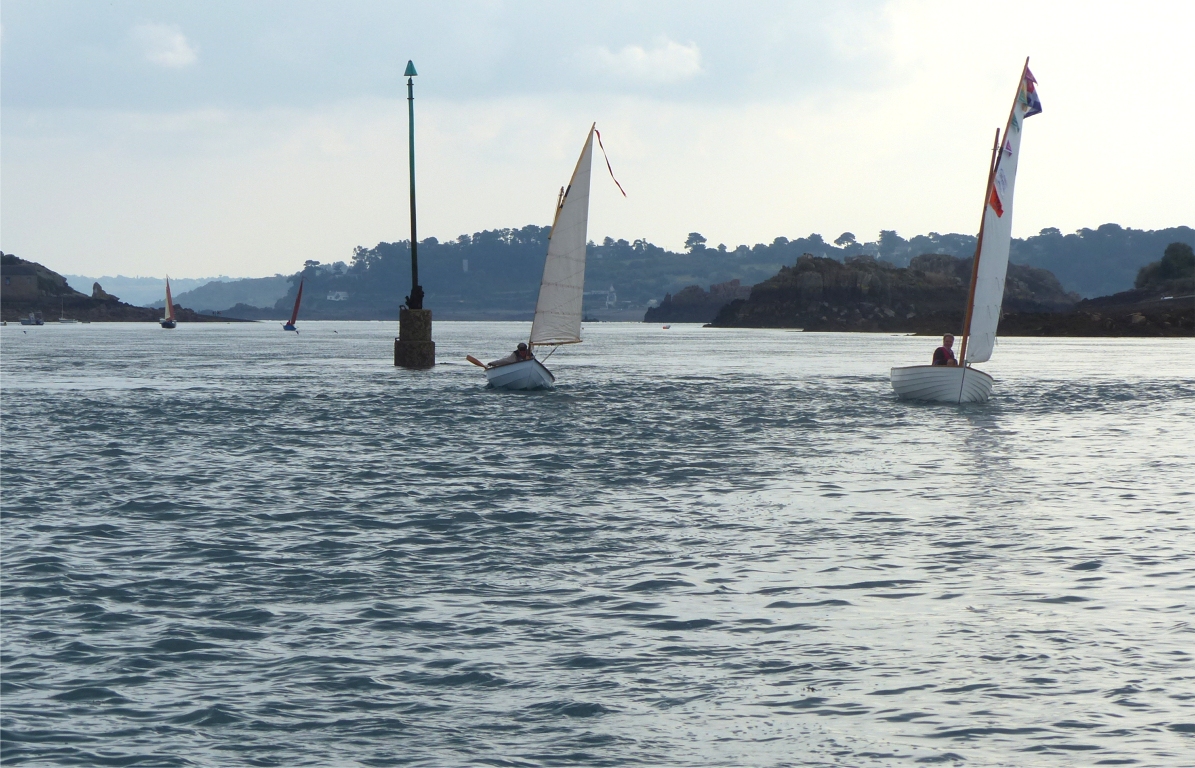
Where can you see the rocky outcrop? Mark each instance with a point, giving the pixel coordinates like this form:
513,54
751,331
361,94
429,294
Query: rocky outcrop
692,304
28,281
863,294
100,294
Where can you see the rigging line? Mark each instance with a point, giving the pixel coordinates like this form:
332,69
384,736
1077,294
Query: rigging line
608,168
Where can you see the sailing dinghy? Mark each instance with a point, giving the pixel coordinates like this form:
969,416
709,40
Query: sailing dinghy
168,320
294,315
558,309
963,383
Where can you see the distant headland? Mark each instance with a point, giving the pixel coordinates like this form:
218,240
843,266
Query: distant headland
27,287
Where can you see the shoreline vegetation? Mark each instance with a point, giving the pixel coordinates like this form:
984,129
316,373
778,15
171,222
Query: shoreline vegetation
494,275
885,290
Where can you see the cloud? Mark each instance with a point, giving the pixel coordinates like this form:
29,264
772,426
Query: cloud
165,45
668,62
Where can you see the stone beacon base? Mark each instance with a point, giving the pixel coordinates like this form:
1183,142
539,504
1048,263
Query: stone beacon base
414,347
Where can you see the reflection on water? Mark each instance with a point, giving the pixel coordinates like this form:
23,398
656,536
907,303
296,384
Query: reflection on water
229,545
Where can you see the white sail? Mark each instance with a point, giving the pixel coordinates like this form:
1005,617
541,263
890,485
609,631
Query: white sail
558,310
169,302
997,230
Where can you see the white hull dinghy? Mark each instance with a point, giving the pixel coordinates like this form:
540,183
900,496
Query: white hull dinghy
562,288
942,384
525,374
965,384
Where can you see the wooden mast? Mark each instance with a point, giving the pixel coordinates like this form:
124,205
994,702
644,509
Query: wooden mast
987,193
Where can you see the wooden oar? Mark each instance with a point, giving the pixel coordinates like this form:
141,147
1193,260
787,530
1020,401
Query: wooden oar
474,360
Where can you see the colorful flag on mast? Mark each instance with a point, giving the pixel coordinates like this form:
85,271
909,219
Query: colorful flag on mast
994,201
999,190
1032,103
1029,104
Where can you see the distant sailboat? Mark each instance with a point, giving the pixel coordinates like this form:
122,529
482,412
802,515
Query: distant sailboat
962,383
62,318
294,315
168,320
558,309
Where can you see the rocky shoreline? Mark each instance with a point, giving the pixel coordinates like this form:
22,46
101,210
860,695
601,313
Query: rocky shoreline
927,297
1155,317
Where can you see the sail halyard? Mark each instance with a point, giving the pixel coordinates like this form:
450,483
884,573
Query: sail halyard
561,291
990,267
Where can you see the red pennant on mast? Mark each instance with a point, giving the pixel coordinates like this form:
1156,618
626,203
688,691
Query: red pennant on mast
994,201
608,168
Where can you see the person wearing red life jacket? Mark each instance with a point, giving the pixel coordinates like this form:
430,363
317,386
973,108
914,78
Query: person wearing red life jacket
944,355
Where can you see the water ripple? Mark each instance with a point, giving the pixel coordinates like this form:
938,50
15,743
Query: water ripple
228,546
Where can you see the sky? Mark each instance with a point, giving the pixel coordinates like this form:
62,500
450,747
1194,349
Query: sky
204,138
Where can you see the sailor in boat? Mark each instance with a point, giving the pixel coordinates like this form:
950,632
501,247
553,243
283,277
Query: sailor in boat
520,354
944,355
558,314
964,383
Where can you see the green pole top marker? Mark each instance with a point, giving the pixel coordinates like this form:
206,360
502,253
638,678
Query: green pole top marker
410,70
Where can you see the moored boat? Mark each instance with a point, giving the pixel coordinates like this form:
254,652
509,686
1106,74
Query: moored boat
964,383
62,318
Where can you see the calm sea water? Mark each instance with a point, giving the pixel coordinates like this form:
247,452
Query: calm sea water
229,545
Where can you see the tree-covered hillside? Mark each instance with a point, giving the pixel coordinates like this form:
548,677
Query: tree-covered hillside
221,294
1091,262
496,273
1101,261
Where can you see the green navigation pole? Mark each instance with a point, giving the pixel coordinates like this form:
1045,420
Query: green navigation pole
415,300
414,347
